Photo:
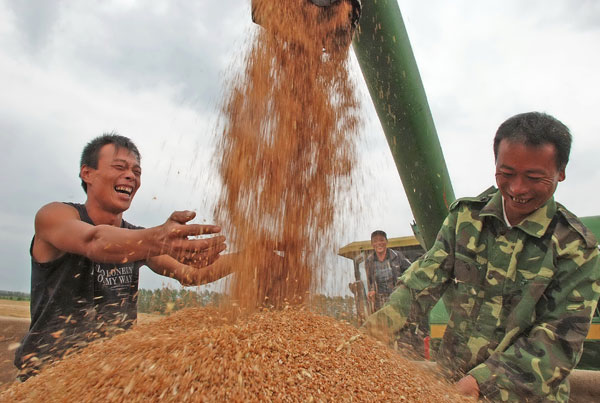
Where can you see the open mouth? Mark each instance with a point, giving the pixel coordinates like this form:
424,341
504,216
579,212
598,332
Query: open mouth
519,201
124,189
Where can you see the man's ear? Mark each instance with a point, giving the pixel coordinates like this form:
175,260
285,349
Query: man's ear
562,175
85,173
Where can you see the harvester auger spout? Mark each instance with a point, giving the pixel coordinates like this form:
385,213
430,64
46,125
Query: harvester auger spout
263,11
257,12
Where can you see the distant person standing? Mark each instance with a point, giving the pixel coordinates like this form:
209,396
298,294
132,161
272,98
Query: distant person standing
383,266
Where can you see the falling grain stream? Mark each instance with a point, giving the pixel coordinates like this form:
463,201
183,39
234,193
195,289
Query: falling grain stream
287,150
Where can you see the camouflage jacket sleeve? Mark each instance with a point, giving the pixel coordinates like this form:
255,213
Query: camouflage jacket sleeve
420,287
399,264
536,363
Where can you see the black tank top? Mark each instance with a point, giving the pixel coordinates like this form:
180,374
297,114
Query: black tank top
75,300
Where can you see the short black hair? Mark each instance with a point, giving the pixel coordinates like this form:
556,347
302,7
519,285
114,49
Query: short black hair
89,156
536,129
378,232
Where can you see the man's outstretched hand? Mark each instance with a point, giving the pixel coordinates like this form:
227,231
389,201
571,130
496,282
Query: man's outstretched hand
175,240
468,386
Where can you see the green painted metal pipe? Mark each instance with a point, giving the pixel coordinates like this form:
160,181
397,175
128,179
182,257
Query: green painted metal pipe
386,59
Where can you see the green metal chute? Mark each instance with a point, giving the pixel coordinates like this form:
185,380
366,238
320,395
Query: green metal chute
386,59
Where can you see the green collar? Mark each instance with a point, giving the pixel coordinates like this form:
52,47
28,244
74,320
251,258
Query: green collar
535,224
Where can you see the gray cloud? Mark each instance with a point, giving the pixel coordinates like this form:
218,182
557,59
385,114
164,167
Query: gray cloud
35,20
179,44
182,45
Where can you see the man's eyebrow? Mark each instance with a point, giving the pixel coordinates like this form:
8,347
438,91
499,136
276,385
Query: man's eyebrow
529,171
136,165
536,171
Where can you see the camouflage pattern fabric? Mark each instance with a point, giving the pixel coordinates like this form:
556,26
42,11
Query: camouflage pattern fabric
520,298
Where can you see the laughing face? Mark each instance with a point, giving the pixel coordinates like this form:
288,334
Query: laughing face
379,243
527,177
116,180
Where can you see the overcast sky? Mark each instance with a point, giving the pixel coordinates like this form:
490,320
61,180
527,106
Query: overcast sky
154,71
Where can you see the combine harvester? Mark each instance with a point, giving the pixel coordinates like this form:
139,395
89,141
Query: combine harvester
387,62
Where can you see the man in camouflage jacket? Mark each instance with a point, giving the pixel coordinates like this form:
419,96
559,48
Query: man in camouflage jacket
517,271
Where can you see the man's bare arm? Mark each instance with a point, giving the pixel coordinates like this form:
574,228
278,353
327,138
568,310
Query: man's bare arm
188,275
59,230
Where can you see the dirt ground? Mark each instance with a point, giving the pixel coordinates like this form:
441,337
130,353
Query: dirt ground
14,322
14,309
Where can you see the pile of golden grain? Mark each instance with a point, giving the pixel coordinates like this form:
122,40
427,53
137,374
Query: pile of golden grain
200,355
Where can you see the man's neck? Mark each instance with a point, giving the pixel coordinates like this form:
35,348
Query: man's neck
381,256
506,220
102,217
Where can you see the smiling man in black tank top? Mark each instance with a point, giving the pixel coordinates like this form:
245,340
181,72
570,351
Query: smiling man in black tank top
85,258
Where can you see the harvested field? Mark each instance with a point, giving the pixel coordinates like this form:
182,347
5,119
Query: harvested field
14,322
14,309
199,355
11,332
